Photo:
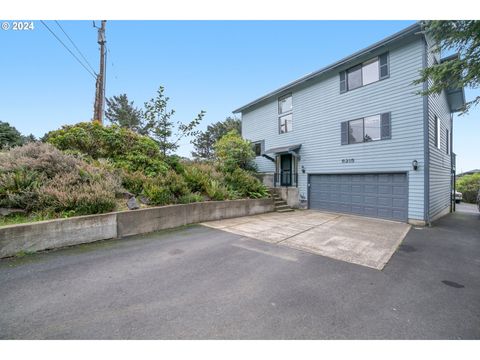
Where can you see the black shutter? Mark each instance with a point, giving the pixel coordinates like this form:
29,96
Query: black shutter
384,66
343,82
386,126
345,133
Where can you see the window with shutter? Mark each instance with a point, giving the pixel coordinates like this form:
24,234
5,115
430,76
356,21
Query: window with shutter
448,142
367,129
368,72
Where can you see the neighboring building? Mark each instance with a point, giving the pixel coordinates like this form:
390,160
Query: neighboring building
471,172
355,136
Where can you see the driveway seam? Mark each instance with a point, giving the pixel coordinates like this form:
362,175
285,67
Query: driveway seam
310,228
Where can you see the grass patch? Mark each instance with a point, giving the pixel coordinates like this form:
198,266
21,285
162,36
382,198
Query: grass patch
21,218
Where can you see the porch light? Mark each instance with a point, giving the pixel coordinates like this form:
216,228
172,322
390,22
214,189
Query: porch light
415,164
303,169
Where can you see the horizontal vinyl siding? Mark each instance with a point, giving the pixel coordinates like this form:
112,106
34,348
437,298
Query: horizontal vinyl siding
440,162
319,109
260,125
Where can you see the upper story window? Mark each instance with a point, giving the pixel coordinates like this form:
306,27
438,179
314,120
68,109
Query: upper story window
448,142
366,73
258,147
369,128
437,132
285,114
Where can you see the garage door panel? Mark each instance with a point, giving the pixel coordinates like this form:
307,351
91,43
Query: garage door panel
385,213
385,189
357,199
385,178
399,190
374,195
357,189
385,201
399,203
399,215
370,211
371,200
399,178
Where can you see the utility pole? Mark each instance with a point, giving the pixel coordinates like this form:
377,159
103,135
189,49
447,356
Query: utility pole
100,83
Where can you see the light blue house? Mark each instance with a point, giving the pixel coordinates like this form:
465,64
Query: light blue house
355,136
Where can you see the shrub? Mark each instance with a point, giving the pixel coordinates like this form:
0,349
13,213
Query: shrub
233,152
468,185
158,194
190,198
245,184
134,181
79,193
19,188
163,190
38,177
123,147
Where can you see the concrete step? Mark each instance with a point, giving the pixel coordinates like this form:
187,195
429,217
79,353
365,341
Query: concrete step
285,210
282,207
280,202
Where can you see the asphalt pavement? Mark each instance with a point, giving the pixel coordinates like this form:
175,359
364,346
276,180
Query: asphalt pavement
201,283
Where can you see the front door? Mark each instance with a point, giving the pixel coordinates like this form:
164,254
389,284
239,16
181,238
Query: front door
286,170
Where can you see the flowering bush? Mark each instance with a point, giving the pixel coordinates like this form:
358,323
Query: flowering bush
38,177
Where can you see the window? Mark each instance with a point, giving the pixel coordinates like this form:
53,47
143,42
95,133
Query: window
370,72
448,142
258,148
354,77
370,128
355,131
437,132
285,114
285,123
366,73
285,104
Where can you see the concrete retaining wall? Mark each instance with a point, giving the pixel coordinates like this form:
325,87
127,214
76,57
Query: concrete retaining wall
52,234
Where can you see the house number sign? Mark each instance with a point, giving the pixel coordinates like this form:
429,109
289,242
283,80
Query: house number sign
348,161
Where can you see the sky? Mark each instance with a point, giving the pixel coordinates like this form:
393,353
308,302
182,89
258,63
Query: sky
216,66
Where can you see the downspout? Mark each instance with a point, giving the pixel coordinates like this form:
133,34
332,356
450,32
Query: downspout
426,142
453,185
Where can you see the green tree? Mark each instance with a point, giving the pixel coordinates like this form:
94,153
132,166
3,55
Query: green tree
123,147
160,126
122,112
205,140
233,152
462,37
469,185
10,136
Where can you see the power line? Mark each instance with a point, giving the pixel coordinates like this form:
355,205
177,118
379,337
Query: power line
75,46
66,47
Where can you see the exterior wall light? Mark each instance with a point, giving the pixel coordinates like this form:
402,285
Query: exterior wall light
415,164
303,169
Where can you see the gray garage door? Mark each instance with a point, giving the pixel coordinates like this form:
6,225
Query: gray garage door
375,195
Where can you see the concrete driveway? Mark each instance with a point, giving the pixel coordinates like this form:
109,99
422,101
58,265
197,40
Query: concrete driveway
359,240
